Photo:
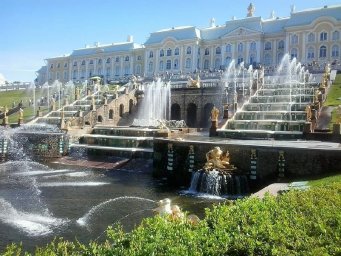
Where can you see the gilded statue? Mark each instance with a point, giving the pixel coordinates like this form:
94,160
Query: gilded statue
217,159
214,114
193,83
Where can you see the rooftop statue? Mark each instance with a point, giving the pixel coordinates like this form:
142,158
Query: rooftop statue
250,10
217,159
214,114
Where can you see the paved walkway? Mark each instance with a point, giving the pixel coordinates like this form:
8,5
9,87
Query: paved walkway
91,163
272,189
324,118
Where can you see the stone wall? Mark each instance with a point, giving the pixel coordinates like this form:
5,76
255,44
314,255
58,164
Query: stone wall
296,162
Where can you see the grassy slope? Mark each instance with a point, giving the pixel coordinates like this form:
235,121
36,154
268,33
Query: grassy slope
332,100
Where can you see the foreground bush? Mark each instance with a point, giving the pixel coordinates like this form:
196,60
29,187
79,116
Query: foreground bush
295,223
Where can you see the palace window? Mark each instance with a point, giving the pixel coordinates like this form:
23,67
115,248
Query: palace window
75,74
58,65
227,61
267,46
207,51
217,63
253,46
240,60
323,36
311,53
138,69
83,74
83,62
294,39
169,52
176,64
240,47
336,35
168,64
75,63
139,57
162,53
176,51
117,70
218,50
228,48
126,58
108,72
127,70
91,62
188,63
198,51
188,50
335,51
108,60
151,55
150,66
206,64
65,75
100,62
65,65
57,75
311,37
267,59
281,45
91,72
323,51
117,59
161,65
252,59
293,53
51,66
99,71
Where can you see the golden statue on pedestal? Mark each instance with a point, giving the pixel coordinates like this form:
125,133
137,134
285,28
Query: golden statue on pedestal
217,159
193,83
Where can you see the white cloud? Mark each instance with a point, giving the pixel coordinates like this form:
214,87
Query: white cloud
2,79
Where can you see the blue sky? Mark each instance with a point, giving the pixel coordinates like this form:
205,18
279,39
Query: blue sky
32,30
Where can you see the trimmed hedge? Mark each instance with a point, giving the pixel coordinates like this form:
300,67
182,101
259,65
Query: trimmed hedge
295,223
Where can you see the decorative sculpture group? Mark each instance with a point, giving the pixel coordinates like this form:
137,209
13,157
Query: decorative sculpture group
216,159
193,83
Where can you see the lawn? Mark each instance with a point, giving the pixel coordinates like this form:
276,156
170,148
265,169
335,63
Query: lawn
334,93
325,181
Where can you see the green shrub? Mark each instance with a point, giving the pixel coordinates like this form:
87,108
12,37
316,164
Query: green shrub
295,223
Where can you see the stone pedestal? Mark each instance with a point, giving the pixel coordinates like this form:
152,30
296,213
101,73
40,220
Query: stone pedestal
226,112
307,127
39,113
213,129
20,121
5,121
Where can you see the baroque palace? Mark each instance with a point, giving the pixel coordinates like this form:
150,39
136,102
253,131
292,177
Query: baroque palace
312,36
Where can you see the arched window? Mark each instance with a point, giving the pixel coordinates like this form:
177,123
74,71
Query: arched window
336,35
138,69
51,66
151,55
162,53
127,70
58,65
228,48
311,37
240,59
207,51
121,110
206,64
279,57
91,62
126,58
111,114
99,72
117,59
240,47
323,36
168,64
82,74
108,60
311,53
150,66
189,50
227,61
91,72
188,63
75,63
107,73
335,51
281,45
83,62
267,59
65,75
323,51
117,70
65,65
57,76
75,74
253,46
218,50
99,61
176,51
217,63
161,65
169,52
294,39
100,119
176,64
293,53
252,59
267,46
